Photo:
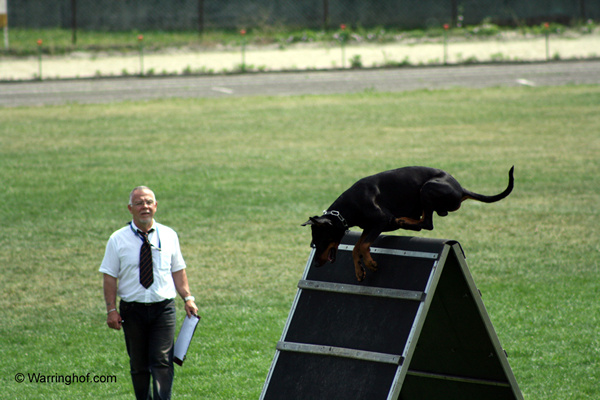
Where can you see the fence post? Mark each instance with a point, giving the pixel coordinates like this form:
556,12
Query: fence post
446,27
4,21
74,21
243,66
325,14
343,37
547,32
140,39
39,44
582,10
454,12
200,16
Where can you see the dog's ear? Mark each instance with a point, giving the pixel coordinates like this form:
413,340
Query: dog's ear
309,222
316,220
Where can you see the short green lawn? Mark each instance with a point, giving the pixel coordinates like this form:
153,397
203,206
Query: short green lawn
237,177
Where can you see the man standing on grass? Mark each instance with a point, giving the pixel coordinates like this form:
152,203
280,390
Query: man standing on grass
144,266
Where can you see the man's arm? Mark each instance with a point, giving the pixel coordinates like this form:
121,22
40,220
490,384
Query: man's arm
183,288
113,318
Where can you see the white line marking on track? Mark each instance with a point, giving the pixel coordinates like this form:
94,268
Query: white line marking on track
222,89
525,82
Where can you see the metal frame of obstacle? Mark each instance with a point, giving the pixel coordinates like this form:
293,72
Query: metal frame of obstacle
415,329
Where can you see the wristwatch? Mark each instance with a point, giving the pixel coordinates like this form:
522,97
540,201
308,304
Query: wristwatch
192,298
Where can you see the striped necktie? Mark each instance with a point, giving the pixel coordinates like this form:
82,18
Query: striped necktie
146,274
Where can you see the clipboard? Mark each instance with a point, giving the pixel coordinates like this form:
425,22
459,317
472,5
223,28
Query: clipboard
185,338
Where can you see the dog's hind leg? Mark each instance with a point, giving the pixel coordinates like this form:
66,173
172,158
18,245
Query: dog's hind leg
441,196
426,222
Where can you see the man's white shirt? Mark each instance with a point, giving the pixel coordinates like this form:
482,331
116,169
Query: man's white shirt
122,257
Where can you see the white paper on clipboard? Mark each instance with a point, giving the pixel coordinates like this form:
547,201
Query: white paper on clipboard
185,338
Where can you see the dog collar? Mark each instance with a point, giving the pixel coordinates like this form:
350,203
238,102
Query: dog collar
338,215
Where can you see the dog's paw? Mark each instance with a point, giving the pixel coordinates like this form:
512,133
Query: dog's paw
360,272
372,265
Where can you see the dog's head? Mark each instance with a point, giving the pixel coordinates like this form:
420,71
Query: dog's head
326,237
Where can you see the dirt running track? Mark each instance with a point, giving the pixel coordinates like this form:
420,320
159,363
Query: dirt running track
298,83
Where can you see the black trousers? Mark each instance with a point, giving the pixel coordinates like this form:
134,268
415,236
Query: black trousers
149,336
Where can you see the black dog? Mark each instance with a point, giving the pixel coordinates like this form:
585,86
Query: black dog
401,198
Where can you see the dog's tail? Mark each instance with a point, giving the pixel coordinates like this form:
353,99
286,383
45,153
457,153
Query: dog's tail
490,199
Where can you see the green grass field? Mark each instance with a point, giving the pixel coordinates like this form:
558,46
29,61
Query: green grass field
236,178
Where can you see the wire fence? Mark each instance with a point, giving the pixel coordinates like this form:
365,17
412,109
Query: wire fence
124,15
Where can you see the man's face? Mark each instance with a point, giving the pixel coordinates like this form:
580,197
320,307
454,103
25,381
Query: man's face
143,206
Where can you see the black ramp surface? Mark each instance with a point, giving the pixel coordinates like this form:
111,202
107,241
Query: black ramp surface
393,272
359,322
310,377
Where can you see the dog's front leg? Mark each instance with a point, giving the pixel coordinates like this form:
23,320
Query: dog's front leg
361,255
359,270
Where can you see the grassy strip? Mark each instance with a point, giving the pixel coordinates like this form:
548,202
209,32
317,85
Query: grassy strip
23,42
236,178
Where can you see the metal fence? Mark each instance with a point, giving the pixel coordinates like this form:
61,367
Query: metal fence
123,15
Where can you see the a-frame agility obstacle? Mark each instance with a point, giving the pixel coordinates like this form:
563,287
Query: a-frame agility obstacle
415,329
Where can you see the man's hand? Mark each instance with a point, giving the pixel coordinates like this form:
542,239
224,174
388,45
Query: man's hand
113,320
191,308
